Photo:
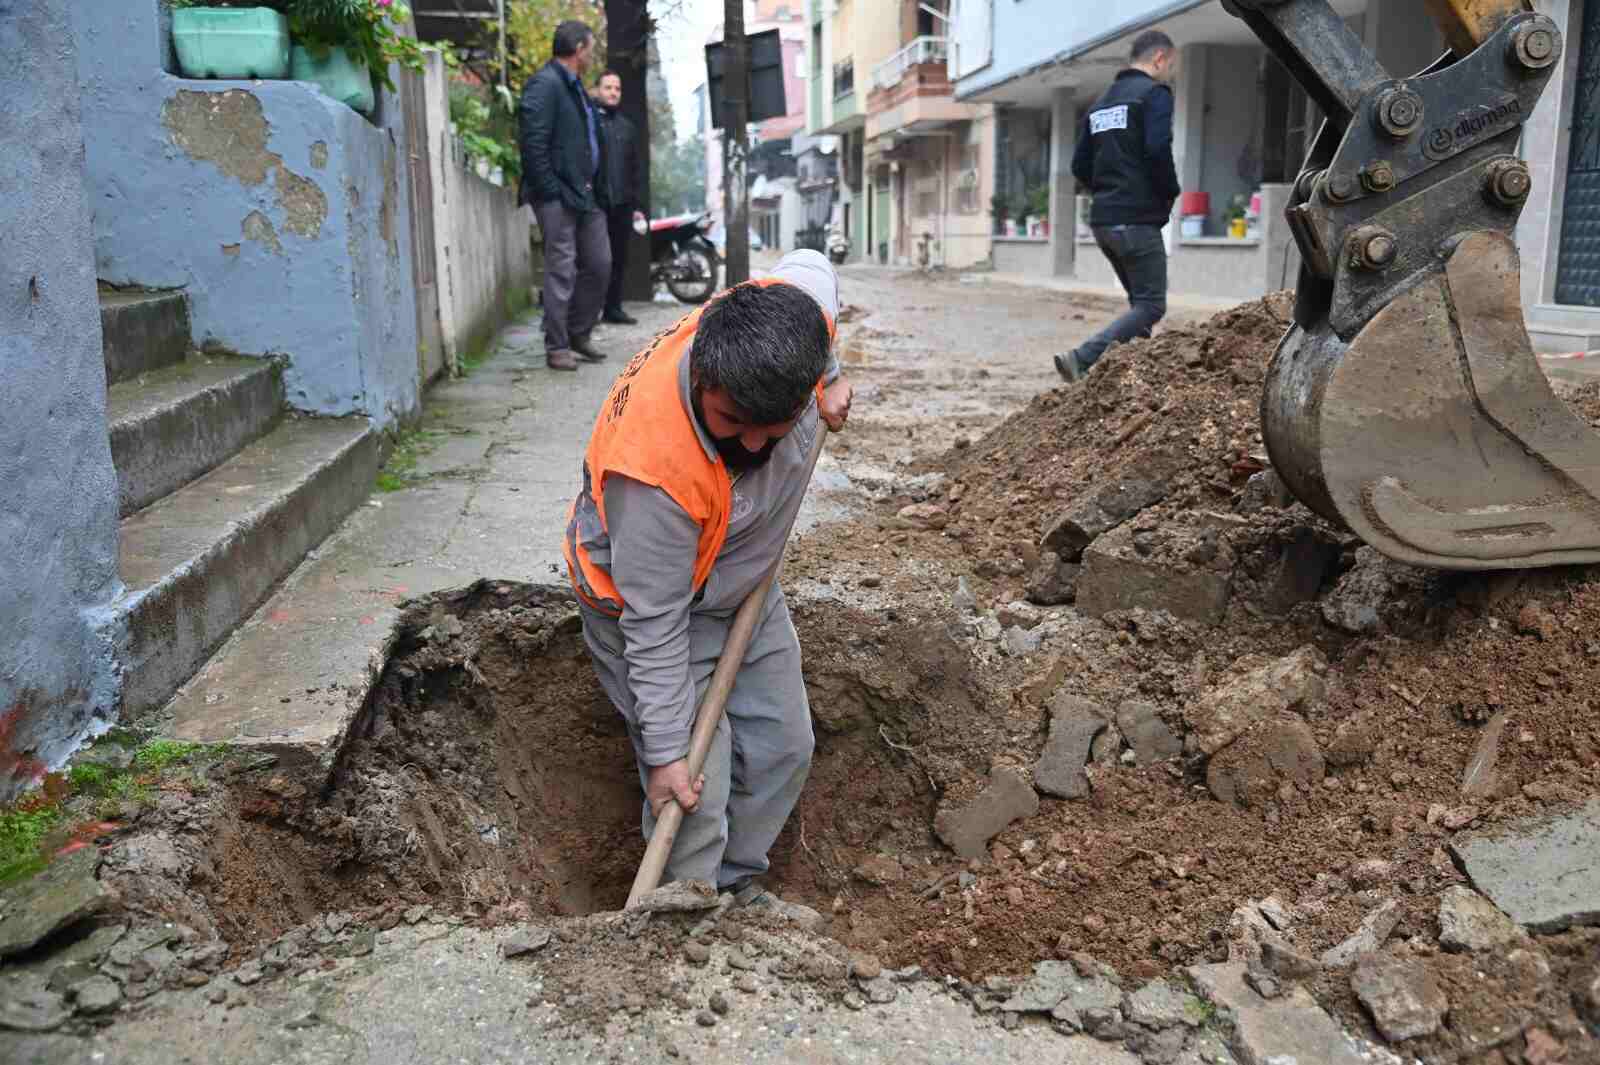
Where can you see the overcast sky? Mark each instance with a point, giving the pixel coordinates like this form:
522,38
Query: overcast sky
682,41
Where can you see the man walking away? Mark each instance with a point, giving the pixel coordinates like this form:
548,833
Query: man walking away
562,157
622,187
1124,157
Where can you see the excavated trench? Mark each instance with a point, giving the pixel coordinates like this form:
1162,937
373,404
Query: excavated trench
490,777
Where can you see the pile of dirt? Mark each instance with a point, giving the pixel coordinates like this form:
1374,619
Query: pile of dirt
1180,410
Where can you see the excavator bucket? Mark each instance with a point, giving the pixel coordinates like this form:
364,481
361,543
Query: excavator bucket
1434,434
1406,401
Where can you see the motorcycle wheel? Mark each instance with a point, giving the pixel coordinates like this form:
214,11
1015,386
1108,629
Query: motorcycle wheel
694,276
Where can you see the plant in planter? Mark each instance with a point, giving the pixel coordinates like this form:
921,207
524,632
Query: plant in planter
1039,206
1000,207
342,45
1238,207
232,39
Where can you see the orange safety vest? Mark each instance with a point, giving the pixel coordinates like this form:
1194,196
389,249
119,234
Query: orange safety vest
645,433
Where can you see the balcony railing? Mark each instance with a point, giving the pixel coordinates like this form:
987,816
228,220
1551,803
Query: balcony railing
844,78
887,74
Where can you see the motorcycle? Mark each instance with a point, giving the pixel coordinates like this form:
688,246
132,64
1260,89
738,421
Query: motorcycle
683,257
838,245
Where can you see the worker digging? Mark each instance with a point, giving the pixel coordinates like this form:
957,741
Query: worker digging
695,471
1231,699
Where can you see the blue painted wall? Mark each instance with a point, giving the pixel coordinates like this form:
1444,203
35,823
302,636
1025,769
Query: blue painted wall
58,570
284,214
1030,32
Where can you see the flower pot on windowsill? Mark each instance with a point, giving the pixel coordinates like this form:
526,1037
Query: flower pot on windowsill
231,42
337,75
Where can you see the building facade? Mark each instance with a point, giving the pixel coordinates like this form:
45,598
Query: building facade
916,165
1242,128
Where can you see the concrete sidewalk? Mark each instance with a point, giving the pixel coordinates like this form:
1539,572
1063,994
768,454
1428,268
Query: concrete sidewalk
494,463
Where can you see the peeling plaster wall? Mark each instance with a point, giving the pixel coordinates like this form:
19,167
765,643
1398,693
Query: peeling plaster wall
58,571
284,214
481,236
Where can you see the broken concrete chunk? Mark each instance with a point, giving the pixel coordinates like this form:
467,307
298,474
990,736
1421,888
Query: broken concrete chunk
525,941
1373,933
1219,716
1470,922
1251,770
1074,723
1543,873
967,831
1117,577
1152,741
1094,515
1160,1005
97,994
33,1010
880,869
680,896
1049,984
1053,582
61,894
1287,964
1289,1028
1373,585
1400,993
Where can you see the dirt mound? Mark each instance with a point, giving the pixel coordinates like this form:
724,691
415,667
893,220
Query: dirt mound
1180,410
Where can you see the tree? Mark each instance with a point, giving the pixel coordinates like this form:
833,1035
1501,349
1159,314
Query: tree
678,177
530,25
735,123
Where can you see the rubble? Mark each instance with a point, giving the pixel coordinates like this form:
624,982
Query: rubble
1401,995
1098,513
1074,724
36,907
1146,733
1373,933
1225,712
1121,573
968,830
1470,922
1544,874
1273,1031
1254,767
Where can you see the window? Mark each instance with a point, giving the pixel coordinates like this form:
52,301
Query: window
1285,125
927,191
966,191
1022,156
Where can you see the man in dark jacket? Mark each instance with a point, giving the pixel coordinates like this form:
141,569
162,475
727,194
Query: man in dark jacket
1124,157
622,185
562,160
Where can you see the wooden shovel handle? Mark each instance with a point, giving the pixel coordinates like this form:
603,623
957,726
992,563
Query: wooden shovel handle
709,715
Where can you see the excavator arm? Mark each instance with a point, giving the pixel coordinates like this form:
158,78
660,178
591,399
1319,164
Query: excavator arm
1406,402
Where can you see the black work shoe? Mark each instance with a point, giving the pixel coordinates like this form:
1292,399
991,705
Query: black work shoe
586,350
1067,366
619,318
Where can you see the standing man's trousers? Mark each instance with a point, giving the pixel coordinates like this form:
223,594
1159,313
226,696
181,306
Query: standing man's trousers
577,268
762,752
620,224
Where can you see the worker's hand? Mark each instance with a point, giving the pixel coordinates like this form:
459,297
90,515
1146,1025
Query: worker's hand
835,404
671,781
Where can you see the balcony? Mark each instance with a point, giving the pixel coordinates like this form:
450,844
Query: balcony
920,52
911,92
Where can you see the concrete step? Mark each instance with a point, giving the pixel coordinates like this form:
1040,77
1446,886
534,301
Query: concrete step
170,426
199,561
143,331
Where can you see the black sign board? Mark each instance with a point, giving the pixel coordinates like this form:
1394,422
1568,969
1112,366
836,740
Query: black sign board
766,78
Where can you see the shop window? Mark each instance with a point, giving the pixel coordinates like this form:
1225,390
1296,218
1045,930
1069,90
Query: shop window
1022,158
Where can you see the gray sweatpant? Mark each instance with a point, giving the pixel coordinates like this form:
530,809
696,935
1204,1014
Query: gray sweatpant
577,269
762,752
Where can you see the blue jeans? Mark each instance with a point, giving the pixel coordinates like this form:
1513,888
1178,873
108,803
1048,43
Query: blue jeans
1139,257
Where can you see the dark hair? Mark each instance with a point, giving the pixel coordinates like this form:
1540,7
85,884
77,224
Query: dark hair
1150,41
765,346
570,36
607,73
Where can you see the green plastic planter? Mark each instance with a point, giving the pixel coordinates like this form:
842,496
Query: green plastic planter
231,42
337,75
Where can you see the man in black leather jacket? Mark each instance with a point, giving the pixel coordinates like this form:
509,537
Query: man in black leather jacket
622,185
1124,157
563,156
